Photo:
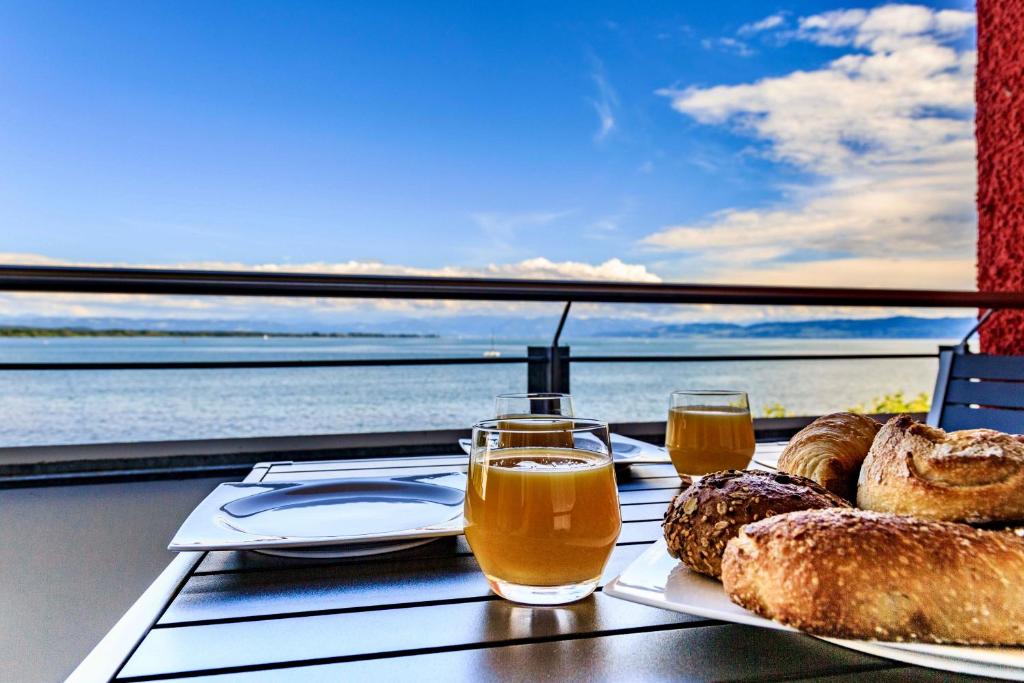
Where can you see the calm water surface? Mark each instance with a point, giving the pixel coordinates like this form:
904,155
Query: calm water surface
145,405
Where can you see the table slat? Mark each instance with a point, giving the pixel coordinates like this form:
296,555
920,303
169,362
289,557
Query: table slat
726,652
357,466
626,484
363,634
312,589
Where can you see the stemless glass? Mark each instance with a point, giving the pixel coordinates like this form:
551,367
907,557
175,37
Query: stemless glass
511,408
516,405
542,519
708,431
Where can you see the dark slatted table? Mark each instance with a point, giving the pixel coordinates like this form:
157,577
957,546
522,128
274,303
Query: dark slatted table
427,614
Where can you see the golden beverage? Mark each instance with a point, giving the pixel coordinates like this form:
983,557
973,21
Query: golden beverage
527,432
542,516
702,439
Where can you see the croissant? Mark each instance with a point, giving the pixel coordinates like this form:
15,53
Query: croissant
973,475
830,451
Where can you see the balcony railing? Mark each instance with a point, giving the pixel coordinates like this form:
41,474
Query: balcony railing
548,366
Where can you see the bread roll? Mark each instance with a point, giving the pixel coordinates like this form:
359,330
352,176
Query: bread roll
708,514
975,475
869,575
830,451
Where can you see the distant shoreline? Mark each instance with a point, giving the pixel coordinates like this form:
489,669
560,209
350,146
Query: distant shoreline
30,332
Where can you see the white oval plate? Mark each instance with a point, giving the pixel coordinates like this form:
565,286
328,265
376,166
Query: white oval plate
360,513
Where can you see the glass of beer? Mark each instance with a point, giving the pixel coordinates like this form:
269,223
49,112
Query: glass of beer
542,519
709,431
511,408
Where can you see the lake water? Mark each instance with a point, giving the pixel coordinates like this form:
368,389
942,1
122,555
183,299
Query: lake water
146,405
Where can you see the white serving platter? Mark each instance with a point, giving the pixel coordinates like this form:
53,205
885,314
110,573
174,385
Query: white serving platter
326,518
659,580
625,451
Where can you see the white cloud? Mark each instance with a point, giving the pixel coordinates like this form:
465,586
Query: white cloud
768,23
123,305
732,45
885,130
890,27
323,313
605,103
897,272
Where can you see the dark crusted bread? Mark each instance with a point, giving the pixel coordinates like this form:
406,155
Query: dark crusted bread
704,517
869,575
974,475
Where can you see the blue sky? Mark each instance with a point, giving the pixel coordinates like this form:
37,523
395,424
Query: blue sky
584,139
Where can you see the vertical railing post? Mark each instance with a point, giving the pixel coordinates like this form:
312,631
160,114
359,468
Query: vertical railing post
548,366
538,369
547,369
560,370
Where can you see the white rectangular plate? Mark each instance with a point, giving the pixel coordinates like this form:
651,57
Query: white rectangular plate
307,523
659,580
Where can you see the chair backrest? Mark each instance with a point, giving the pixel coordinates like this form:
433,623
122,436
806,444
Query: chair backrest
978,390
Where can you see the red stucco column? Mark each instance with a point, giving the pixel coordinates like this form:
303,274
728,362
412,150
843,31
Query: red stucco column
999,91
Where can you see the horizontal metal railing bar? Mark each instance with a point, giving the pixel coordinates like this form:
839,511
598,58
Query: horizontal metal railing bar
258,283
386,362
737,358
242,364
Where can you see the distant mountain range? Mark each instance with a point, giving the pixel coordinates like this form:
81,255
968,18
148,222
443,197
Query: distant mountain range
897,327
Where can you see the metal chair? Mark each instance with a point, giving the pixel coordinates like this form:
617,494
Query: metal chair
978,390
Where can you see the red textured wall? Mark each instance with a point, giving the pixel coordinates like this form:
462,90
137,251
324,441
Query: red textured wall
999,91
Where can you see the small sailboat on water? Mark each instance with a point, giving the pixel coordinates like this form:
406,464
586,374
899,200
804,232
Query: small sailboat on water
492,352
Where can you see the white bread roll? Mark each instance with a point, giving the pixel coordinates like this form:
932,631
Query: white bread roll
974,475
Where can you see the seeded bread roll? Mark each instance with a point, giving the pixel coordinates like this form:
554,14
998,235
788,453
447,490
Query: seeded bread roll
869,575
830,451
703,518
974,475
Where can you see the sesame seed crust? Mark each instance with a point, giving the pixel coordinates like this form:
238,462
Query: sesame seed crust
701,520
868,575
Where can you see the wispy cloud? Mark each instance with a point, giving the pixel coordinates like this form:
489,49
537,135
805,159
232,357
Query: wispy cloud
502,227
887,133
737,47
766,24
606,101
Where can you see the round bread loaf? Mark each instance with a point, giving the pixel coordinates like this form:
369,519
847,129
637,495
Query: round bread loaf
974,475
830,451
701,520
868,575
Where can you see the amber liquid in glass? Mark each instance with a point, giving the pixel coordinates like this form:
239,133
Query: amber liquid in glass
542,516
708,439
522,436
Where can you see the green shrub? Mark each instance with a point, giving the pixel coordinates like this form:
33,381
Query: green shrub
895,403
775,410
